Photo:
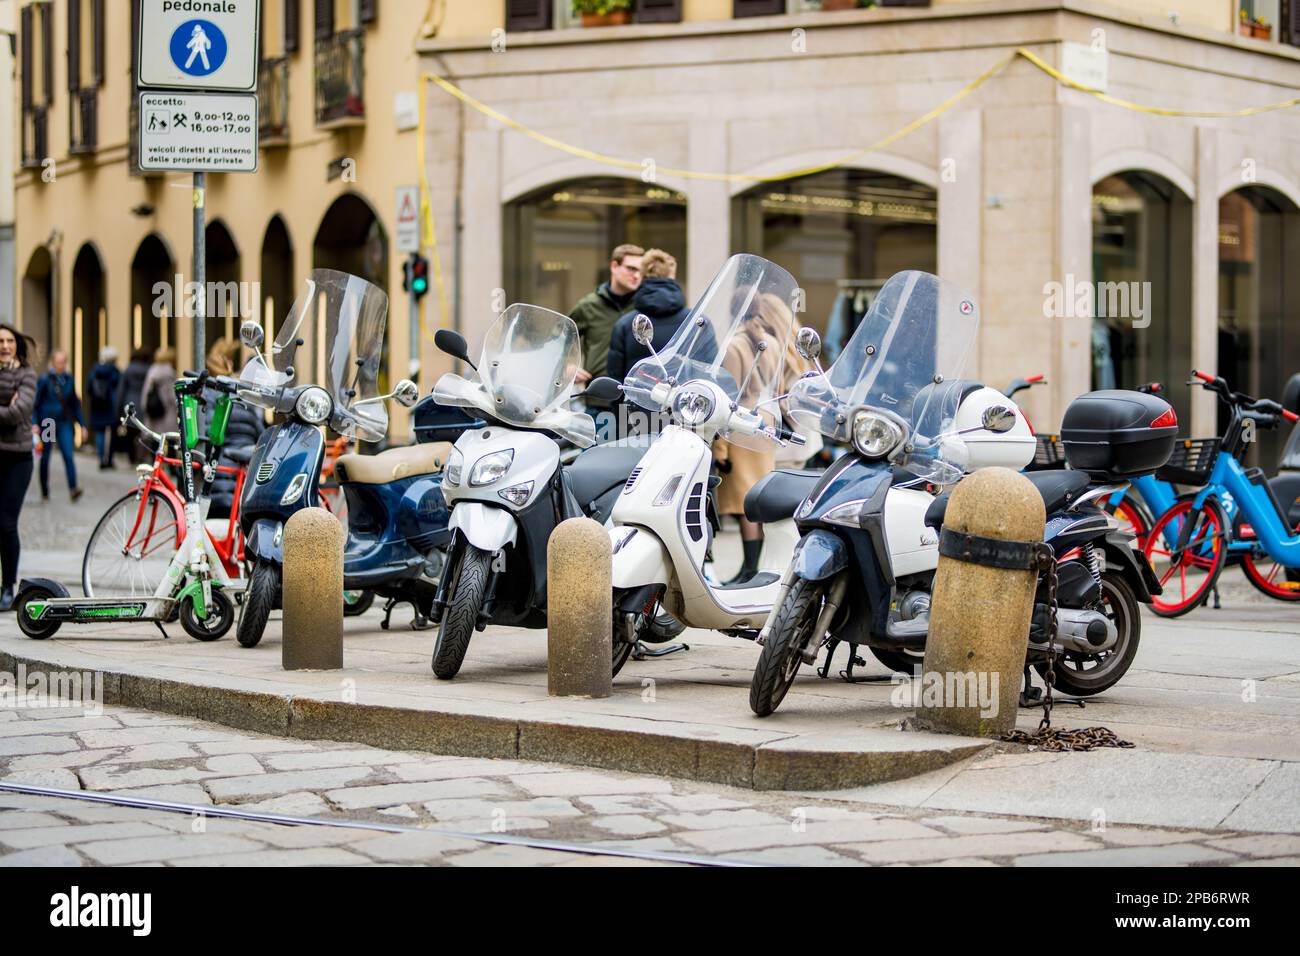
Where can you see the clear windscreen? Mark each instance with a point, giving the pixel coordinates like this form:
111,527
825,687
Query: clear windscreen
525,375
904,359
274,367
356,314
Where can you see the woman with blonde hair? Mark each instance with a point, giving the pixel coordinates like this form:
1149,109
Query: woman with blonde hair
243,429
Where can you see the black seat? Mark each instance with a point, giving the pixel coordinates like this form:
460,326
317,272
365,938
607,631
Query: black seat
1058,488
601,467
778,493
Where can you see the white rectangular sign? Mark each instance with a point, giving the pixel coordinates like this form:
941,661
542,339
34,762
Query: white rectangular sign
198,44
212,132
407,233
1085,65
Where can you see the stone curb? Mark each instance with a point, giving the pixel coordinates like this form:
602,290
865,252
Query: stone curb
807,762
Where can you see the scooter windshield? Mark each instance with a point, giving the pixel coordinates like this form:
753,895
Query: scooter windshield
333,335
736,336
904,360
525,374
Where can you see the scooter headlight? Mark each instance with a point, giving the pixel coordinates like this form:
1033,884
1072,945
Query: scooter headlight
875,436
314,405
491,468
692,407
294,491
451,474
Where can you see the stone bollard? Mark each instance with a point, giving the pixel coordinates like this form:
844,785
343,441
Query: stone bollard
981,606
313,592
579,610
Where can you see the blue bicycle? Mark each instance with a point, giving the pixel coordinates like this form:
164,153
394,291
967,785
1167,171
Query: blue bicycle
1192,540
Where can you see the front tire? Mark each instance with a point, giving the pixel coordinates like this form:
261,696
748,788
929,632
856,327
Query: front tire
1083,675
37,630
461,617
259,598
791,631
221,615
1187,575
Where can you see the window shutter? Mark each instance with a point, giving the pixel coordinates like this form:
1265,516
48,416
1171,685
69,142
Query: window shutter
74,45
97,9
757,8
135,43
369,11
1293,24
528,15
291,26
47,47
26,43
324,19
658,11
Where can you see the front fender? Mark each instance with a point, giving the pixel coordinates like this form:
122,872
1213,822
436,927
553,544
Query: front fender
639,557
1135,568
819,555
265,541
486,527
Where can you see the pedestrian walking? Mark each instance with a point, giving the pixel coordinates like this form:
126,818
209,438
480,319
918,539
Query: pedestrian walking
132,393
158,394
244,428
56,415
103,396
17,399
597,311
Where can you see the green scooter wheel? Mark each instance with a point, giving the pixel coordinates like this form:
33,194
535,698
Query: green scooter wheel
221,616
30,624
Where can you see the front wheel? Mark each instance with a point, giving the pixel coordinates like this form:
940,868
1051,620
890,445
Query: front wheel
1082,675
461,617
1187,547
259,598
791,631
221,614
33,612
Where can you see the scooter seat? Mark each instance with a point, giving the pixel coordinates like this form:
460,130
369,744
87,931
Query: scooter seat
600,468
778,493
1057,487
393,464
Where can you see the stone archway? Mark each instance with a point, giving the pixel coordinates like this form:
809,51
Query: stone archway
89,314
38,302
152,310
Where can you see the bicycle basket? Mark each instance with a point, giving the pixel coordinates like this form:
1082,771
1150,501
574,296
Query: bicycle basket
1048,453
1190,462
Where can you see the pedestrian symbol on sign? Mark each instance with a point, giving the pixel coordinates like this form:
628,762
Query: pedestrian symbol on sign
198,47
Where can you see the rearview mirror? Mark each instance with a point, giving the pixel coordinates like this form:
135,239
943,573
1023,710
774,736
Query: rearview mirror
808,343
605,389
406,393
999,418
643,330
251,334
452,343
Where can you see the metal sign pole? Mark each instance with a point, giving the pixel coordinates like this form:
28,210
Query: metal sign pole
200,274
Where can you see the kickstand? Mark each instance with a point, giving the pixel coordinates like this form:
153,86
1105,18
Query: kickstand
640,651
1031,696
846,675
162,630
825,670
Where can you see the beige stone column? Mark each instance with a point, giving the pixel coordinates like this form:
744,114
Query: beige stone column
481,259
708,207
1071,374
1205,280
961,206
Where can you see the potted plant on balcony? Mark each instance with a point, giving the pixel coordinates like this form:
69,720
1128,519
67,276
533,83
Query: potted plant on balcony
603,13
847,4
1263,31
1245,27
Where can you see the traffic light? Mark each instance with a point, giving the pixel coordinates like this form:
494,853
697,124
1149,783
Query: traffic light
415,275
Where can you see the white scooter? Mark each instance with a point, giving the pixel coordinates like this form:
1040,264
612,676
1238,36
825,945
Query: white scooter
712,379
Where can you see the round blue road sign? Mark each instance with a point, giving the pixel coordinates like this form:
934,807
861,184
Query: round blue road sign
198,47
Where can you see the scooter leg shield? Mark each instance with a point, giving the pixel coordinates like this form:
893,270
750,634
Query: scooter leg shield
487,528
819,555
640,558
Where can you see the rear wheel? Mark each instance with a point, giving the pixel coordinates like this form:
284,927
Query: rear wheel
791,631
1276,580
356,603
461,617
259,598
132,545
1084,674
221,614
1133,520
1187,547
905,662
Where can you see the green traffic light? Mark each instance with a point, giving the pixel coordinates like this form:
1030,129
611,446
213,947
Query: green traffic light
420,286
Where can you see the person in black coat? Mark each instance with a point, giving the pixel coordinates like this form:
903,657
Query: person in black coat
662,300
102,399
132,392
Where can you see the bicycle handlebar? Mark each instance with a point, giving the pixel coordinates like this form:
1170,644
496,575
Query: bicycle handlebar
1263,406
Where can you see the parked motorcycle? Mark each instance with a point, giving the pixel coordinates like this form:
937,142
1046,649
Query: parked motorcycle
396,521
504,483
863,571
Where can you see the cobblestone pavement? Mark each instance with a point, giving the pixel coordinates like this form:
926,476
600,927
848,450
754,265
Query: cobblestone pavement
168,758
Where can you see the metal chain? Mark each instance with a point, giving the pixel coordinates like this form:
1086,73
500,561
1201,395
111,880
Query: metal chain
1045,738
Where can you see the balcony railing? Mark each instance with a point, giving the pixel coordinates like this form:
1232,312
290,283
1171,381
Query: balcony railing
83,126
340,80
273,102
35,136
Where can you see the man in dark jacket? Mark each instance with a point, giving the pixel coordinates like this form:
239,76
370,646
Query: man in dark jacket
57,413
659,297
102,396
133,393
596,312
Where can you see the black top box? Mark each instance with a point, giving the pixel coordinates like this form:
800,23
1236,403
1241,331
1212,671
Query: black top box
434,422
1116,434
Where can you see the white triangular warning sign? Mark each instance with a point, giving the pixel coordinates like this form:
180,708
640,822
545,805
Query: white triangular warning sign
407,212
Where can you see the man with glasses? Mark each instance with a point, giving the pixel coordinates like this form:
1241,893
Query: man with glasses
596,313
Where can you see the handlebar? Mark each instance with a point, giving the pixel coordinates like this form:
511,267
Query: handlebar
1262,406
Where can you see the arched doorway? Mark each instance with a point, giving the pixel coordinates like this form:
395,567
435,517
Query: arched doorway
1142,293
152,309
224,301
89,316
38,301
278,282
842,233
1259,302
558,239
352,239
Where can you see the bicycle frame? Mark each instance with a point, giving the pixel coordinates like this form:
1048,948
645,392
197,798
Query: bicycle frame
1257,506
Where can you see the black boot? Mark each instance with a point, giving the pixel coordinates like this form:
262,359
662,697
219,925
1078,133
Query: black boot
748,567
7,598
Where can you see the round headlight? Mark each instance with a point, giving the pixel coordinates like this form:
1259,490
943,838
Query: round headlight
875,436
692,408
314,405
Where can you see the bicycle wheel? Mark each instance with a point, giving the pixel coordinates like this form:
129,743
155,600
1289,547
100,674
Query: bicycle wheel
1276,580
1187,570
1133,519
130,548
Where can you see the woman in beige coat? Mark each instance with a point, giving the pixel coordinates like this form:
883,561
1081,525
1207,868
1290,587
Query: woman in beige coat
778,366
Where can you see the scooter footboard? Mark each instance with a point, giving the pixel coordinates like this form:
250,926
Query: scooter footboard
640,558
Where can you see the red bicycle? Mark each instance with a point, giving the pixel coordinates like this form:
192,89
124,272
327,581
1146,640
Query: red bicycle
133,543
